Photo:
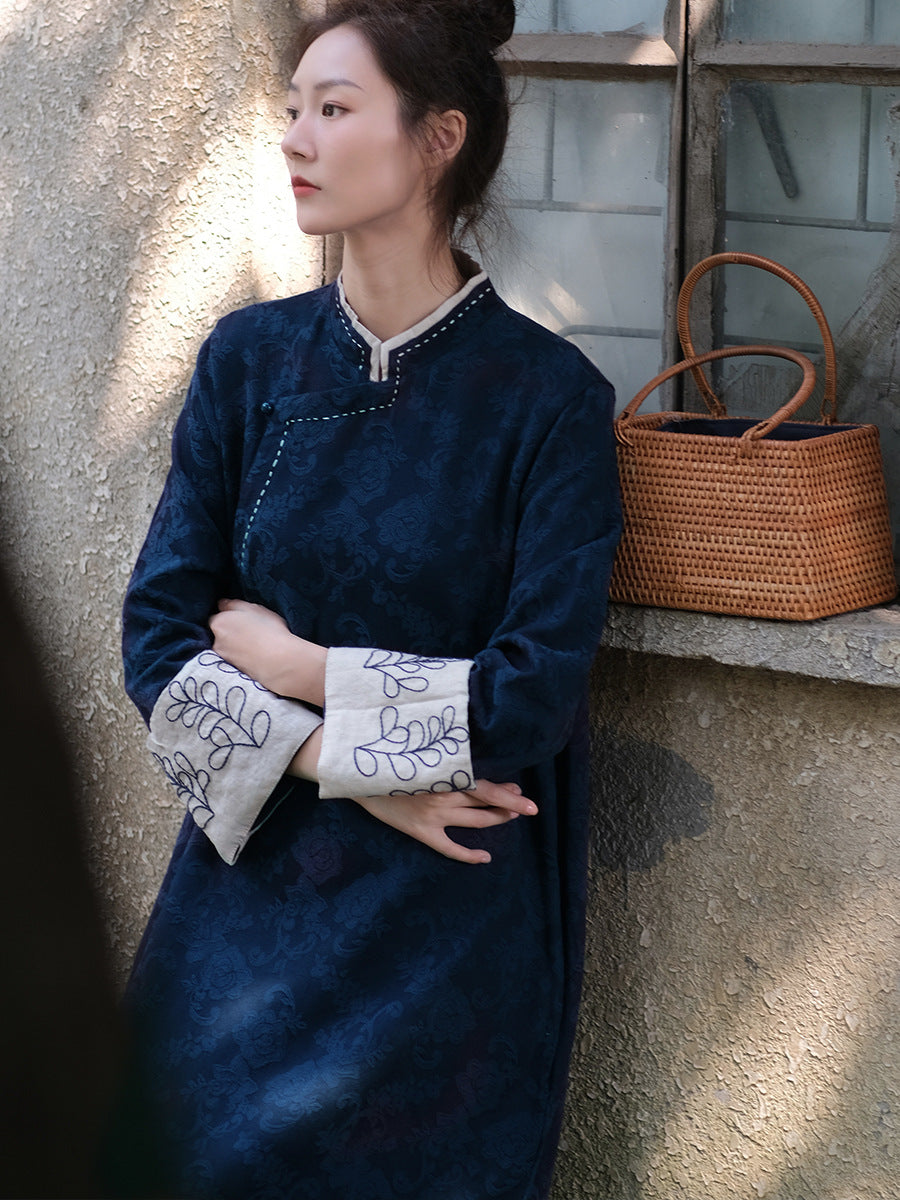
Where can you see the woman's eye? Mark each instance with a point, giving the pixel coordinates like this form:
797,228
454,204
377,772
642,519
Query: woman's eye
330,110
292,114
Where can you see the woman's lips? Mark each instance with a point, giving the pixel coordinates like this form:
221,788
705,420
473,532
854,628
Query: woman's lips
301,186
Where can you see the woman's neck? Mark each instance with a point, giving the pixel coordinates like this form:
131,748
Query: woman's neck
393,287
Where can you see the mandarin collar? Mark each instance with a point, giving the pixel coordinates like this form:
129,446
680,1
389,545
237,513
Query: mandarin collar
379,360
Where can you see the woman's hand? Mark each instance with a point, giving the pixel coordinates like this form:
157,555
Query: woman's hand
426,815
258,642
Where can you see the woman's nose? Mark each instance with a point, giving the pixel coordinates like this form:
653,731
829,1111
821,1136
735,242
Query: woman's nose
296,140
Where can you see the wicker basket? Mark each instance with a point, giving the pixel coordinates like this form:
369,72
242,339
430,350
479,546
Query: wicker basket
723,516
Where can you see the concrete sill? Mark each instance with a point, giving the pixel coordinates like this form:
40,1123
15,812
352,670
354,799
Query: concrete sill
861,647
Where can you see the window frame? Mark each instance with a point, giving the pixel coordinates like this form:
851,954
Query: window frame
713,64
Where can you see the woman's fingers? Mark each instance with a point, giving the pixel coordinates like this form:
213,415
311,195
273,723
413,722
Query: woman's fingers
450,849
503,795
478,816
427,816
227,605
246,608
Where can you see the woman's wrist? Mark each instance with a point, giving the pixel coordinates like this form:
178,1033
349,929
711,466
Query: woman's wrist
258,642
301,674
311,677
305,763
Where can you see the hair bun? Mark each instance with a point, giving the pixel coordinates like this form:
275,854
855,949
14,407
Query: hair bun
494,20
498,18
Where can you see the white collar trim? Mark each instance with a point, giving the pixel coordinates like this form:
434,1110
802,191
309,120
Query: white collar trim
380,352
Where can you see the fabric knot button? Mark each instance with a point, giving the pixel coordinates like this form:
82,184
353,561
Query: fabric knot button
267,408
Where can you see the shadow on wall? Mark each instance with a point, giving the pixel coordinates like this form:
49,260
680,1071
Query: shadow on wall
738,1030
59,1040
645,798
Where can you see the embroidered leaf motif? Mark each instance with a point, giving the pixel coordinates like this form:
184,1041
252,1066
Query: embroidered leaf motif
190,784
259,726
402,672
459,781
215,719
210,659
406,748
234,703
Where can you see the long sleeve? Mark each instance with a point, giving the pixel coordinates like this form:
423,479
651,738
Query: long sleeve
223,741
397,721
527,684
184,567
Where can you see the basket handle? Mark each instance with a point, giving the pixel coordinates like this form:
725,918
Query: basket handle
715,405
755,432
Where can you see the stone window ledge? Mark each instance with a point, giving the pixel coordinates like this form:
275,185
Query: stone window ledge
860,647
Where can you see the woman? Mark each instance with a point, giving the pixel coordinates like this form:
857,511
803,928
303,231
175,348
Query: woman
391,501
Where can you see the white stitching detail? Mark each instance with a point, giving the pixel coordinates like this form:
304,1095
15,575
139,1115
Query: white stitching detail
354,337
294,421
473,300
259,500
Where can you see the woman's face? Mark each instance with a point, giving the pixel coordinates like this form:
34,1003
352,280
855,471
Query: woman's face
353,166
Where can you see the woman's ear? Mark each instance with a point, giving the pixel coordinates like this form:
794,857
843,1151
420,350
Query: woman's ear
446,136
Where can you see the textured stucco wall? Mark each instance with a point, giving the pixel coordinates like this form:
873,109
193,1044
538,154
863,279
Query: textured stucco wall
142,195
739,1036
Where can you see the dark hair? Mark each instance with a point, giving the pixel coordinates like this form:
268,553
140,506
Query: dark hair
441,55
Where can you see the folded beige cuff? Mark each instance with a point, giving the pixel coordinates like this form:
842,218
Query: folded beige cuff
224,742
394,723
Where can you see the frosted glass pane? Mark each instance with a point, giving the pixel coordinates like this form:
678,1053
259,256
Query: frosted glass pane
590,274
776,163
586,178
835,229
777,170
588,268
620,158
590,144
887,23
535,16
836,21
628,362
527,167
836,263
643,17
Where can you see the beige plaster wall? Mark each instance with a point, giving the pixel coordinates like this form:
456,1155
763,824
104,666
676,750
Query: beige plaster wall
142,194
740,1036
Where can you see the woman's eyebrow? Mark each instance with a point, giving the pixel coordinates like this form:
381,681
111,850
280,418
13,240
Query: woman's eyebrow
328,83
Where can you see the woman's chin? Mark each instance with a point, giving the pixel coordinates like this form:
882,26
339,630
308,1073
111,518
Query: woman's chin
315,227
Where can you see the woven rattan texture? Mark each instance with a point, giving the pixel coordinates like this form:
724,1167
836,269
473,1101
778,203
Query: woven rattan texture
780,530
752,526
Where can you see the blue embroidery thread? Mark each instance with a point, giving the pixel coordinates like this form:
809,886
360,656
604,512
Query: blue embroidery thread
190,785
402,672
409,747
200,707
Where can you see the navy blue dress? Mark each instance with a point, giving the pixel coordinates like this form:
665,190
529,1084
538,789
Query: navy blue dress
344,1014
